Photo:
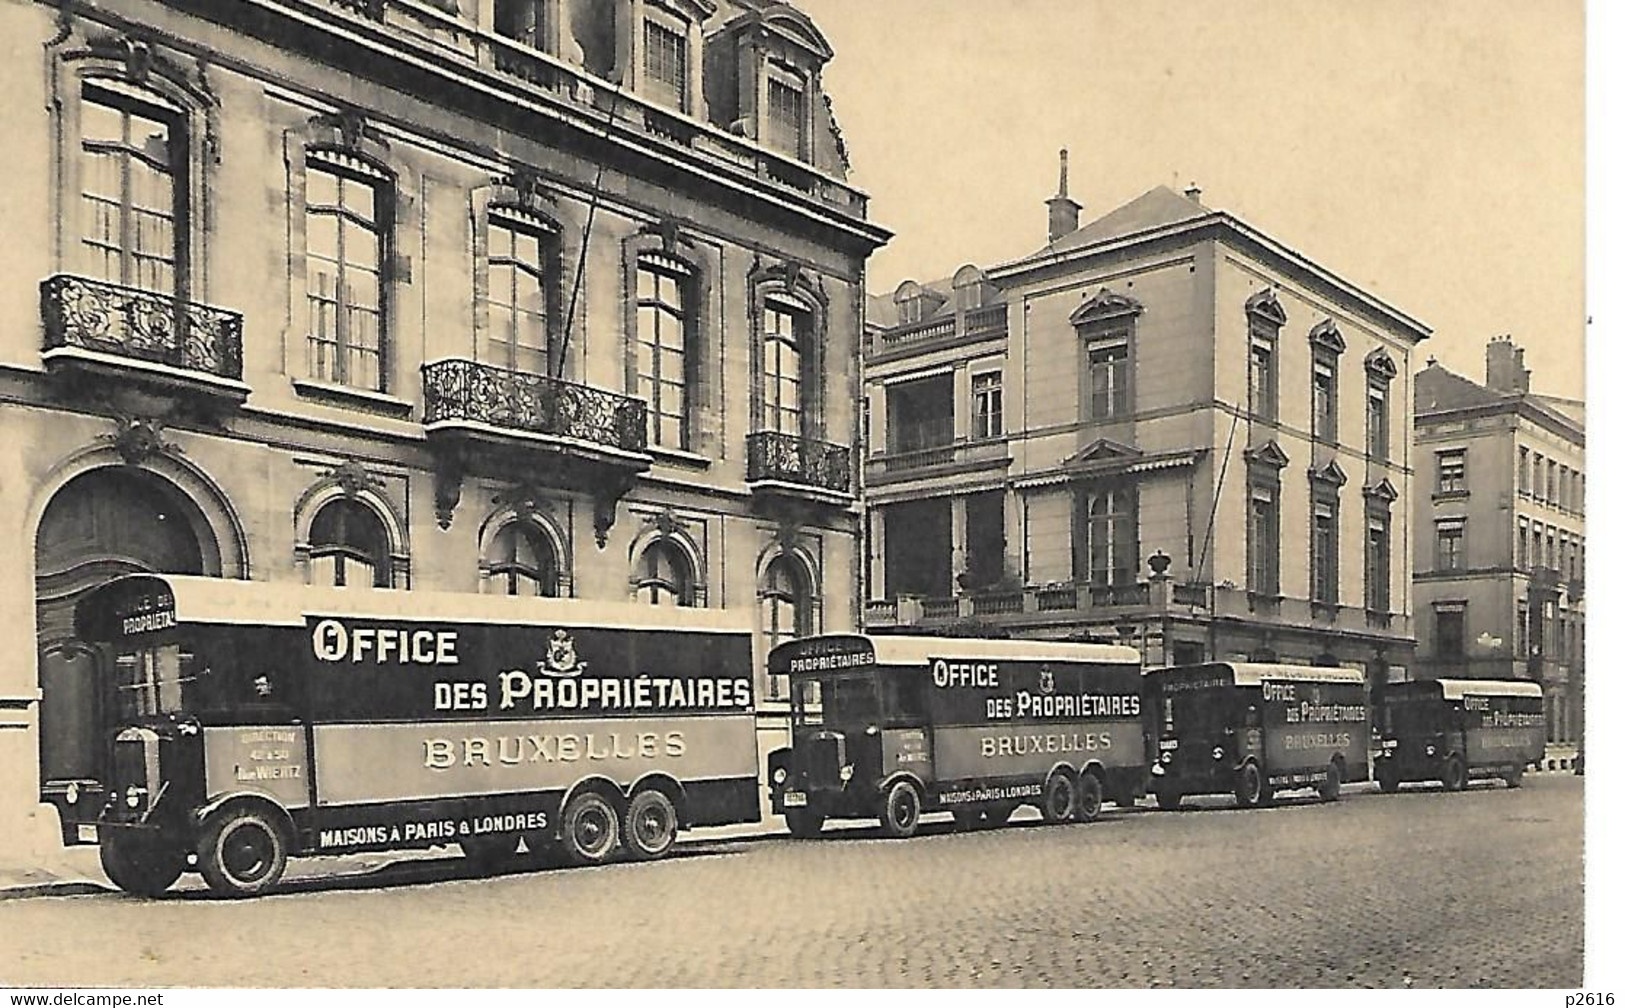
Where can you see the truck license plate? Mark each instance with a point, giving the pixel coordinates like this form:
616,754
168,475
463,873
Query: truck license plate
795,799
87,832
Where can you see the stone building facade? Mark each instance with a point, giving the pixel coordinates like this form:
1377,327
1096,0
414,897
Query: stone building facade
539,297
1164,427
1500,544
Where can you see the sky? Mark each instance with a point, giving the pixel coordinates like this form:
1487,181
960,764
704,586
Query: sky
1431,153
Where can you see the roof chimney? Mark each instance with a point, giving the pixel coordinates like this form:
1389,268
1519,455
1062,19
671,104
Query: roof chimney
1503,366
1063,211
1193,193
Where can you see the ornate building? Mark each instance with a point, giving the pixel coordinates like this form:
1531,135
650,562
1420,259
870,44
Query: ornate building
1164,427
1500,543
537,297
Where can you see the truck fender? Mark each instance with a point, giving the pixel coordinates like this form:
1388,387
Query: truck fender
672,787
926,795
253,799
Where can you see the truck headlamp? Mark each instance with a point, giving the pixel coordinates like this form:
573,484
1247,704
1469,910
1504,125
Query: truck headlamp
846,773
780,775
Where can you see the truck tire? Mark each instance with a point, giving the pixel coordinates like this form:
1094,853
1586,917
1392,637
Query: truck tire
650,825
1250,787
242,852
1091,796
589,829
900,815
1455,774
1060,802
1332,787
804,823
138,865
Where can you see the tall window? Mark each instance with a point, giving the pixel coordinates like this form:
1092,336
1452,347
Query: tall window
1551,481
786,605
522,561
348,546
786,115
1263,540
1323,551
518,289
1324,407
1523,544
783,329
344,251
1261,375
1450,631
662,349
1108,379
1111,534
1378,572
1452,471
665,577
1376,418
1540,477
1537,555
665,64
987,404
1523,470
1520,629
1451,541
132,189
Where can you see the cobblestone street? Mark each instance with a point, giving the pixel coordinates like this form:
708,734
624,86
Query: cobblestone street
1423,888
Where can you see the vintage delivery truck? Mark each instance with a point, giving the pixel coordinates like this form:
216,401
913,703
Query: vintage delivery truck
1453,730
250,722
1255,729
890,727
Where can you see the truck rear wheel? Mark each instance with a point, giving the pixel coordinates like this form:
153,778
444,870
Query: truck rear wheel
1250,787
804,823
1091,796
589,828
901,815
1455,774
650,825
1060,799
139,865
242,852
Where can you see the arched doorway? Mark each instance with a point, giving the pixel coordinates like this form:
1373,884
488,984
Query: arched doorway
100,524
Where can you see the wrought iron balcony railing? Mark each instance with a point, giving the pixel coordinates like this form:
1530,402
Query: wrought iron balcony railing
790,458
141,325
471,392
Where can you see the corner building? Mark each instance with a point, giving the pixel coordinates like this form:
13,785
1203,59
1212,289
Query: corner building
535,297
1164,428
1500,545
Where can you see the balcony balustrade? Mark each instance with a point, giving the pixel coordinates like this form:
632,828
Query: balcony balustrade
776,457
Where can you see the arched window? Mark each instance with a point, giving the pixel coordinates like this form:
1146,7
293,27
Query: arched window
783,326
665,576
786,602
522,561
349,546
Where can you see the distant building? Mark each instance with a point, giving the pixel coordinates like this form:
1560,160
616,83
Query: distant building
1164,427
1500,544
534,297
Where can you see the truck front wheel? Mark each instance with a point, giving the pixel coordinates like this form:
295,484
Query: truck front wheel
901,815
243,852
140,865
1250,787
1455,774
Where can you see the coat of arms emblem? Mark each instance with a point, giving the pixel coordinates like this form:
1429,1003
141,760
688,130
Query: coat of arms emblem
1046,681
561,656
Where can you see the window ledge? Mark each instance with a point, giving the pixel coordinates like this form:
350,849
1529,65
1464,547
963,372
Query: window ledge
355,398
1443,495
678,457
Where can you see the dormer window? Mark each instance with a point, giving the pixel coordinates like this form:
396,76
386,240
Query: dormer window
786,125
665,62
524,21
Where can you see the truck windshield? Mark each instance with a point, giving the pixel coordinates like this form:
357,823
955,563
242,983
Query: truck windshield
153,680
1414,717
843,699
1196,714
